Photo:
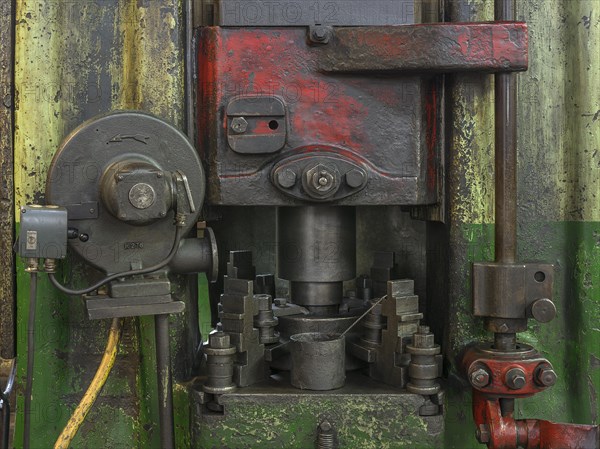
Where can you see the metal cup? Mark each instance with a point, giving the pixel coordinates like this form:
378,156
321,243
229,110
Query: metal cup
318,361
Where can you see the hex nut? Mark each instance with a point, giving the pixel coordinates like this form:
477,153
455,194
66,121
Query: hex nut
483,434
320,34
546,377
515,379
480,378
219,340
264,301
239,125
321,181
280,302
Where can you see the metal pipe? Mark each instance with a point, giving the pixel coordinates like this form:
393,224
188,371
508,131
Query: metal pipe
505,167
30,359
189,69
164,382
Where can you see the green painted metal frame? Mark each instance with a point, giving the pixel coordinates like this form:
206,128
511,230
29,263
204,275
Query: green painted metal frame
133,52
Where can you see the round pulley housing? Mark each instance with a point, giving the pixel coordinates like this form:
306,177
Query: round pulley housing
123,177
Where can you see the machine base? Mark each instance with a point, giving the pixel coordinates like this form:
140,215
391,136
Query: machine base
364,414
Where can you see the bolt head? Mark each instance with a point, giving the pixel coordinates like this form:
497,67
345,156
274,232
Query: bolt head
325,426
543,310
546,377
480,378
320,34
219,340
286,178
280,302
355,178
321,181
515,379
264,301
483,434
239,125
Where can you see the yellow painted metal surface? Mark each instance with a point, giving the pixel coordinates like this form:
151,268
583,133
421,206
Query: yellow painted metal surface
77,59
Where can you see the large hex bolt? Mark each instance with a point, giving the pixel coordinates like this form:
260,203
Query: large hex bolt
266,321
219,364
423,367
515,379
479,377
321,181
545,376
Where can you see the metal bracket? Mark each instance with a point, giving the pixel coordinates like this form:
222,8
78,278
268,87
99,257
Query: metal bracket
525,284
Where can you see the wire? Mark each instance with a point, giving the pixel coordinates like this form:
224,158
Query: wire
5,405
30,353
90,396
97,285
363,315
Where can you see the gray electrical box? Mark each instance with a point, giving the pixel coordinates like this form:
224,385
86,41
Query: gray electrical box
43,232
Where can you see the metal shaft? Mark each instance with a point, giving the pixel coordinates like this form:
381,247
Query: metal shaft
30,359
505,167
164,382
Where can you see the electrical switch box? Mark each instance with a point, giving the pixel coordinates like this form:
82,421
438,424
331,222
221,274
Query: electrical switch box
43,232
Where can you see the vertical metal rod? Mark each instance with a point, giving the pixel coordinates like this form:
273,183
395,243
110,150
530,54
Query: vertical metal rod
505,167
190,66
30,360
164,381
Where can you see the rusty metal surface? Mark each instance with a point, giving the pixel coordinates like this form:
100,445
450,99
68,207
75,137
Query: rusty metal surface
435,47
7,301
75,60
381,127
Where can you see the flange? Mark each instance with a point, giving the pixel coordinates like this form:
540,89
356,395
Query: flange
121,177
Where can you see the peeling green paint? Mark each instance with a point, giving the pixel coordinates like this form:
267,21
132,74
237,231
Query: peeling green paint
77,59
365,422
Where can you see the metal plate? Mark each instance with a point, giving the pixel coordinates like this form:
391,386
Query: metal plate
304,13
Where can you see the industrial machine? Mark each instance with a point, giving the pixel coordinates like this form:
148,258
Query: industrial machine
320,149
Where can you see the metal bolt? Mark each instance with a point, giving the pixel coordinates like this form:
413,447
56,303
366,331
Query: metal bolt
515,379
84,237
159,174
483,433
92,211
546,377
543,310
325,438
325,426
480,378
219,340
286,178
355,178
239,125
280,302
119,177
320,34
